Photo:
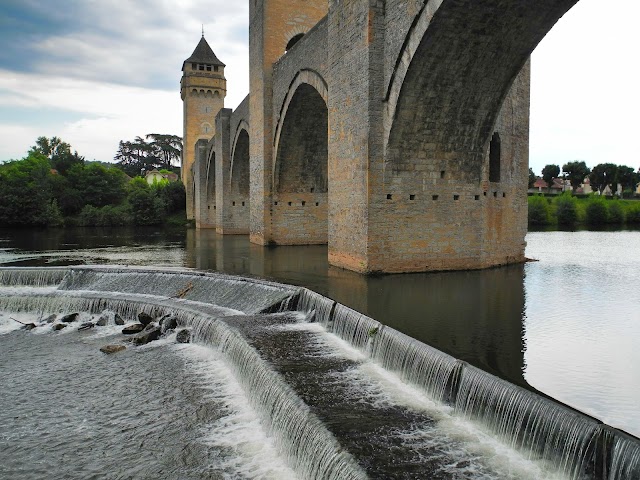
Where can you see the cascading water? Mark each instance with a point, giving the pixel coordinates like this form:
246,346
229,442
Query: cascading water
324,406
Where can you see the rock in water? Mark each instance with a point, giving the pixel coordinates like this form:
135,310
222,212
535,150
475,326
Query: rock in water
50,319
168,322
147,336
29,326
102,321
86,326
59,326
109,349
72,317
144,318
183,336
150,326
133,328
118,319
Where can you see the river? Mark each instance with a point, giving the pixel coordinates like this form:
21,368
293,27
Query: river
566,324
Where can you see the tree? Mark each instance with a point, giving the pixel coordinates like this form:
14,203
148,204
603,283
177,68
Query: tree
532,177
628,178
602,175
549,172
576,172
58,153
167,147
25,191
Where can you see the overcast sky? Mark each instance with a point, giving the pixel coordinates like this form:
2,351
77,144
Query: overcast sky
96,72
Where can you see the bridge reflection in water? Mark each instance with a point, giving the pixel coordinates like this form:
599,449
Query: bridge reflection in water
475,316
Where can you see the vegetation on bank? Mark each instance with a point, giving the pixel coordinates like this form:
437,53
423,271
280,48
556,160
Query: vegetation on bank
593,210
54,187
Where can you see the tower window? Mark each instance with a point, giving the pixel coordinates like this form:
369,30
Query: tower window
293,41
208,68
215,68
200,67
194,66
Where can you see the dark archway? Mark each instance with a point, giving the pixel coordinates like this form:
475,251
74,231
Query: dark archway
295,39
300,174
238,204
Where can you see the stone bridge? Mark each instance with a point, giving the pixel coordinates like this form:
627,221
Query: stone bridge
395,131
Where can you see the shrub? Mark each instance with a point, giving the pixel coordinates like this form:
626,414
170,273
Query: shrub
538,210
596,211
616,213
633,214
566,209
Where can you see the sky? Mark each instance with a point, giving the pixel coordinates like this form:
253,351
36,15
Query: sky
95,72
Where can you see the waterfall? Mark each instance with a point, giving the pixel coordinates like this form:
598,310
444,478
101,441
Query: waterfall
246,295
31,277
625,457
317,307
523,419
571,442
298,433
415,362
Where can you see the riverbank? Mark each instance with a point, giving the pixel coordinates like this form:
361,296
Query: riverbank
592,211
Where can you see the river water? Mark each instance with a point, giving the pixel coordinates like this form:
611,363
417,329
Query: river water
567,325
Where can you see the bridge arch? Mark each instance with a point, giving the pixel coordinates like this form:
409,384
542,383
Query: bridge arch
455,69
239,181
300,171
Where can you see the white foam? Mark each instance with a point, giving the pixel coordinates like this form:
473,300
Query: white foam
251,453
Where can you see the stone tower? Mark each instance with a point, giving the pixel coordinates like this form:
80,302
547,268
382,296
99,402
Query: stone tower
202,88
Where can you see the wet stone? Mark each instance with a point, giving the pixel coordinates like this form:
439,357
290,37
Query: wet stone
183,336
29,326
144,318
71,317
59,326
102,321
133,328
86,326
118,319
109,349
148,335
50,319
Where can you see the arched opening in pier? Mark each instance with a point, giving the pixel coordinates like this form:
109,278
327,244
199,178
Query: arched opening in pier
300,176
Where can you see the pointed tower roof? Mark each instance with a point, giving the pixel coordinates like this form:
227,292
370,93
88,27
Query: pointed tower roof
203,54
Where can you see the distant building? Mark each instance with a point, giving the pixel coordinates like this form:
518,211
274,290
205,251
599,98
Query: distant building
558,186
155,176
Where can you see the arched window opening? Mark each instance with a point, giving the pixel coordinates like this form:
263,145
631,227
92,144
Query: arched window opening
295,39
494,158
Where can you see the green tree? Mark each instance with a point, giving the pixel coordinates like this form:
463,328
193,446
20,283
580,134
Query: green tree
538,210
602,175
146,207
532,177
566,209
596,211
165,146
58,152
25,191
549,172
628,178
576,173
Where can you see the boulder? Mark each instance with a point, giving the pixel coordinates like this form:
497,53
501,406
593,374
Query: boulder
50,319
69,318
59,326
150,326
118,319
102,321
183,336
133,328
147,336
86,326
109,349
168,322
29,326
144,318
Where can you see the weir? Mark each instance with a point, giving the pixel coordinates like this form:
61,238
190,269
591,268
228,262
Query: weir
372,403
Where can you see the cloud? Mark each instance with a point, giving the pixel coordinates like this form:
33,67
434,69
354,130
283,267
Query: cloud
91,116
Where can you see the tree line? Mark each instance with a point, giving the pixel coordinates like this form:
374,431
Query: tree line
53,186
600,177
